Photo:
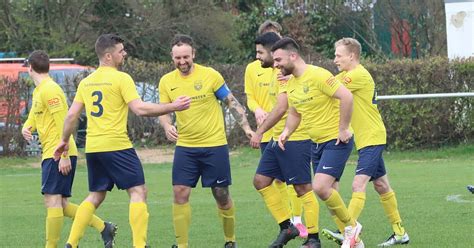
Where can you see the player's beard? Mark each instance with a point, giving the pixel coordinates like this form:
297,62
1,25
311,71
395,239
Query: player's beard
266,63
184,68
120,63
287,70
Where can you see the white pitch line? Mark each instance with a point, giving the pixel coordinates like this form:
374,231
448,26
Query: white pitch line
457,199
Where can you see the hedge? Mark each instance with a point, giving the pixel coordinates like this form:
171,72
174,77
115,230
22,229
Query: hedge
411,124
418,123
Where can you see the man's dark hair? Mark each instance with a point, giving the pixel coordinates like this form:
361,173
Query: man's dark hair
288,44
39,61
267,40
105,42
181,39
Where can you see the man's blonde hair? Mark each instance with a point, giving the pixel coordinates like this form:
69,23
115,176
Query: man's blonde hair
352,45
268,25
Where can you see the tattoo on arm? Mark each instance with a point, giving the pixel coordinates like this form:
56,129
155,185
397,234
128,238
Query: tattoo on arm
237,111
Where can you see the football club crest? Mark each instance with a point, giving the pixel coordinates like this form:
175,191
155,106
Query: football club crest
305,88
198,85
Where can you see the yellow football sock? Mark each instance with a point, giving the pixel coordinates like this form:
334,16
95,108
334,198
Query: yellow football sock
281,186
96,222
337,206
295,202
390,206
182,221
273,200
54,224
340,225
228,222
356,205
311,211
138,218
83,218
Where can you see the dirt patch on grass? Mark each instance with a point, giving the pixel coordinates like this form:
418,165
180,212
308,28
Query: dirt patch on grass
155,156
147,156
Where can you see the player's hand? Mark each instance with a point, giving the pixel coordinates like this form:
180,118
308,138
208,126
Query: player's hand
256,140
281,77
61,149
65,165
283,138
260,116
344,136
26,132
181,103
249,133
171,133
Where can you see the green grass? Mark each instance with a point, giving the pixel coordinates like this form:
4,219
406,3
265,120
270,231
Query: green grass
421,179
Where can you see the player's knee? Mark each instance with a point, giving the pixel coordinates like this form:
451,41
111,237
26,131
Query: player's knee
138,193
322,191
96,198
360,183
302,189
222,196
64,202
382,186
181,194
260,181
358,186
52,201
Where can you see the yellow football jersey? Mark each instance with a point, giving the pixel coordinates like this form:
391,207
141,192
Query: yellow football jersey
277,87
49,100
366,120
105,94
257,85
202,125
311,95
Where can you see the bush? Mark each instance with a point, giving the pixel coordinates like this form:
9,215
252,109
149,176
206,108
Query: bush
424,123
14,98
420,123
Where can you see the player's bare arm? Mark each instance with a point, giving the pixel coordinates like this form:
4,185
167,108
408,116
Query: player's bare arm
292,122
141,108
64,165
26,132
69,125
260,116
238,112
28,127
346,104
273,117
170,130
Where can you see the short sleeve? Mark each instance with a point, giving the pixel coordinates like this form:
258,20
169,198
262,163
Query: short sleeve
327,83
164,96
79,97
352,81
52,99
218,81
128,89
249,78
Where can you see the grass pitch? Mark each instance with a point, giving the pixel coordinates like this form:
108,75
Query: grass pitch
436,208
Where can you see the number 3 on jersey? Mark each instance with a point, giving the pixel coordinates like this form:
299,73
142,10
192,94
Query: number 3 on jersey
97,103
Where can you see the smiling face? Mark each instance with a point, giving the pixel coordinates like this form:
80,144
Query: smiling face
284,60
183,56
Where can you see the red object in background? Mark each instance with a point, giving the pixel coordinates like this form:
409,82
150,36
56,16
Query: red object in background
401,41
